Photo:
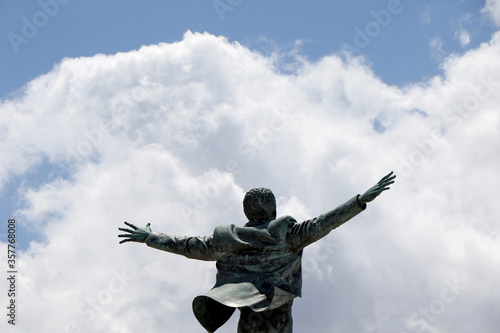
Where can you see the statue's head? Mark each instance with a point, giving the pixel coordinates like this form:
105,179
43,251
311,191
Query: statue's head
260,204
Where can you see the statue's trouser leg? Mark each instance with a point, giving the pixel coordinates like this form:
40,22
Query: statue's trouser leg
273,321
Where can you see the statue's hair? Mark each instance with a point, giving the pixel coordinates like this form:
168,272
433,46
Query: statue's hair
259,204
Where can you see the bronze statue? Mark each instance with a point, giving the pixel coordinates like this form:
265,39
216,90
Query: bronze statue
259,264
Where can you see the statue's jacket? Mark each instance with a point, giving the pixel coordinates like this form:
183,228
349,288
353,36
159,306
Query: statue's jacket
258,265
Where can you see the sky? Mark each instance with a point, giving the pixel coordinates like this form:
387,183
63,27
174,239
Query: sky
167,112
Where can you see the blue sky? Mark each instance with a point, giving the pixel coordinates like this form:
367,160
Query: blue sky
400,52
168,112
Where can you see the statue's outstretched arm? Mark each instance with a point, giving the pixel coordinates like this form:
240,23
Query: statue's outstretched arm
307,232
200,248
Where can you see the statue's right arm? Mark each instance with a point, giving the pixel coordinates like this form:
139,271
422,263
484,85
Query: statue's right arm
305,233
302,234
200,248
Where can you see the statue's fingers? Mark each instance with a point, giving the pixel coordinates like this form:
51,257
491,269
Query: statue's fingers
126,230
379,190
386,182
124,235
386,176
131,225
125,240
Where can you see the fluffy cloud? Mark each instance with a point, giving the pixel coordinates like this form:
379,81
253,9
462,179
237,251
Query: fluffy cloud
492,9
174,134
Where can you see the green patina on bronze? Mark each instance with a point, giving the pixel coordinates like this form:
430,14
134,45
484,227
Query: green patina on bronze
258,264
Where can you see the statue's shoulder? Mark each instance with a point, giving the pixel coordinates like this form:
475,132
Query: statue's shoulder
224,229
285,219
227,232
279,228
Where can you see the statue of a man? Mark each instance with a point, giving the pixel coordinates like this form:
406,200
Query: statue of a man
259,264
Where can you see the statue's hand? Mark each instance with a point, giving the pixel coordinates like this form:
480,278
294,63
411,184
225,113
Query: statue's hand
136,235
378,188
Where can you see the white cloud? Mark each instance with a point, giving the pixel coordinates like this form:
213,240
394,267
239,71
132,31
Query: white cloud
437,52
463,37
426,15
492,9
174,134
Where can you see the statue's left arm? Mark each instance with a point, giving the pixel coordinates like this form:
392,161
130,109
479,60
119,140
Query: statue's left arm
307,232
200,248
